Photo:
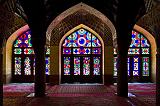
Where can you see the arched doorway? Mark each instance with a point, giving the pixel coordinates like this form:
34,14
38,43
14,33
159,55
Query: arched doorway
139,58
23,58
81,56
80,14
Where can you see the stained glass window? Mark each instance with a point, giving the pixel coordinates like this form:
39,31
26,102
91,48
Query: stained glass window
145,50
28,51
27,66
48,50
134,51
24,56
135,39
81,38
144,42
95,42
96,65
17,51
138,56
34,66
145,61
76,65
66,50
136,66
47,60
24,40
86,65
96,50
115,66
66,65
17,65
128,66
81,44
19,42
81,50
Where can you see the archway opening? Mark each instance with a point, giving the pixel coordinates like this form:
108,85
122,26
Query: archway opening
81,52
141,57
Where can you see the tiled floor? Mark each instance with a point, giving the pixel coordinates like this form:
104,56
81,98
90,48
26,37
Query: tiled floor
78,95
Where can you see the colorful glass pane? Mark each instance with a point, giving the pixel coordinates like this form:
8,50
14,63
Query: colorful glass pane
96,65
81,50
133,51
139,47
47,60
27,66
23,40
66,65
19,42
83,38
76,65
95,41
96,50
48,50
68,41
74,39
17,66
17,51
115,51
145,62
34,65
27,39
28,51
136,66
135,39
86,65
144,42
145,50
128,65
115,66
66,50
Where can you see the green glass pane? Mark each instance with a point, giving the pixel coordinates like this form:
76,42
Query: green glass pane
145,63
28,51
17,51
48,50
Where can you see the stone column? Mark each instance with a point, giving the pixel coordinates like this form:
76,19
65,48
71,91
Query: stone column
38,41
125,20
123,41
1,75
122,72
39,49
36,20
158,77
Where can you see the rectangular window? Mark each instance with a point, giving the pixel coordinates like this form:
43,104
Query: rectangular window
66,65
86,65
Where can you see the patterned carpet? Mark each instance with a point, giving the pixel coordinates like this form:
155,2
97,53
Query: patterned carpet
144,92
80,89
78,95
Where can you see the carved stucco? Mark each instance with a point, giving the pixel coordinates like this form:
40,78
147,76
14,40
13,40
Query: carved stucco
81,14
151,21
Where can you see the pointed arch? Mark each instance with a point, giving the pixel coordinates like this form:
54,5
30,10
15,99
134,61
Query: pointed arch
74,9
70,32
153,49
9,44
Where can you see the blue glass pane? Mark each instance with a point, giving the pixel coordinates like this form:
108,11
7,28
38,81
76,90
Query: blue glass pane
144,42
135,39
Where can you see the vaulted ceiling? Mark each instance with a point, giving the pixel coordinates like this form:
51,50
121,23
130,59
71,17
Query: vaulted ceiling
107,7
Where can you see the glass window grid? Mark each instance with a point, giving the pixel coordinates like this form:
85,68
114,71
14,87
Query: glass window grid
23,55
85,55
140,54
